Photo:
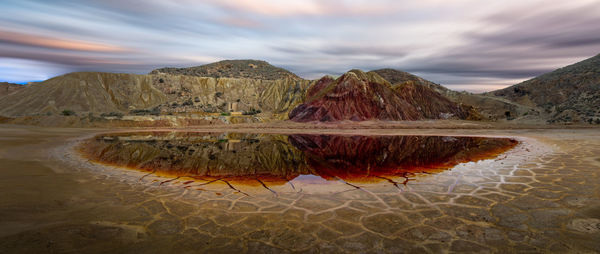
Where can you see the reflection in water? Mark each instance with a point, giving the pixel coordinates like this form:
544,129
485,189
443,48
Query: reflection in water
267,159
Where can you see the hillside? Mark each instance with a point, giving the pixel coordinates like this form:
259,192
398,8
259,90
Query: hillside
9,88
218,95
432,104
487,107
385,156
253,69
569,94
83,92
400,77
355,96
360,96
122,94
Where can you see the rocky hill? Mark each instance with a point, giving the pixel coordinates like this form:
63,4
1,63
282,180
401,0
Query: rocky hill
253,69
223,95
487,107
9,88
121,94
569,94
359,96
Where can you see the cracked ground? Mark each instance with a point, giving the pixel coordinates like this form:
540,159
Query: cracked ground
542,196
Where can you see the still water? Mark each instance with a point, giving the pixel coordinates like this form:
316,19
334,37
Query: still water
275,159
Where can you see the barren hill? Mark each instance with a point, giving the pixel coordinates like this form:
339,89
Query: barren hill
432,104
569,94
489,107
9,88
118,94
83,92
361,96
253,69
355,96
401,77
222,95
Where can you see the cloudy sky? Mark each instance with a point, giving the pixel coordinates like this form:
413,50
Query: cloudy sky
468,45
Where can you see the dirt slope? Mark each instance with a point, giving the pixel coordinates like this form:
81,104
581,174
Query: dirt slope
569,94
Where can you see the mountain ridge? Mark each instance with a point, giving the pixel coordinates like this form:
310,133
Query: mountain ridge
567,94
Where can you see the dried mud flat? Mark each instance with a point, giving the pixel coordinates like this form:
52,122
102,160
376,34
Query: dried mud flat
542,196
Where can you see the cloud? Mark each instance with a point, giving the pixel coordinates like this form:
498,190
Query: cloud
241,22
461,43
519,45
55,43
349,50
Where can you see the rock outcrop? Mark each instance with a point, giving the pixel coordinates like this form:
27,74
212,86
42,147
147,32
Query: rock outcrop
217,95
252,69
569,94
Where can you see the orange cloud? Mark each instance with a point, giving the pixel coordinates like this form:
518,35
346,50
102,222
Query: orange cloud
55,43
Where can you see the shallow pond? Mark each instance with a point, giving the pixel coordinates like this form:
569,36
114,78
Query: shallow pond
273,159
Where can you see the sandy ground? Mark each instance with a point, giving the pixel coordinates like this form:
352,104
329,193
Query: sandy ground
543,196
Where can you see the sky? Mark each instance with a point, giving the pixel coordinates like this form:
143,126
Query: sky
470,45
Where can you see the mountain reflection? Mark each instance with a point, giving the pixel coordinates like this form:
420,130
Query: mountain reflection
276,159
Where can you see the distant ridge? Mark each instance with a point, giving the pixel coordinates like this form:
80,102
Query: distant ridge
479,106
568,94
253,69
9,88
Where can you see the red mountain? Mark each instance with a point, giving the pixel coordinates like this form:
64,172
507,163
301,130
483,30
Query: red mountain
362,96
355,96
